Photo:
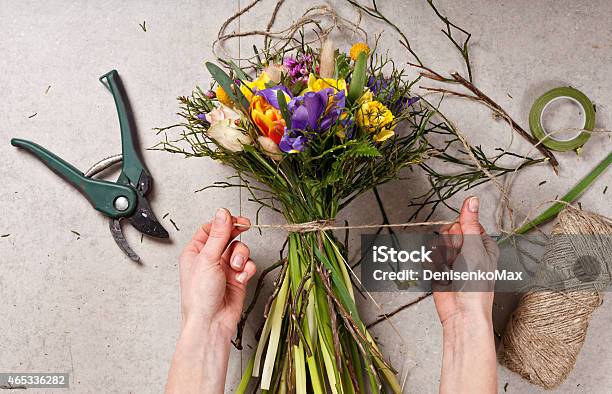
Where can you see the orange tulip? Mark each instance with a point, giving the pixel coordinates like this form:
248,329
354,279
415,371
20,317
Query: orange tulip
268,119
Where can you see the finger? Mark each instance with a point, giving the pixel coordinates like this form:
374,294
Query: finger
455,236
468,218
492,249
452,240
237,282
237,255
473,248
200,237
444,229
218,236
246,274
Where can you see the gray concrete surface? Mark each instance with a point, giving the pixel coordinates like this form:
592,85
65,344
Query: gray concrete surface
76,304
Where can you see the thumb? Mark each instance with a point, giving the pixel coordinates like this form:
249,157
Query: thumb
468,218
219,236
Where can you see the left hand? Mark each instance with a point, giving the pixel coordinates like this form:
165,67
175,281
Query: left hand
214,274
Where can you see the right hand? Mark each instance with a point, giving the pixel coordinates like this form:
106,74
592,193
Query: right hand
477,251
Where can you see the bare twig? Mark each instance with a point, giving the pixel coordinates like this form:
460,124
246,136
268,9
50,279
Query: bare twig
277,285
375,13
294,313
431,74
448,32
386,316
486,99
333,317
350,322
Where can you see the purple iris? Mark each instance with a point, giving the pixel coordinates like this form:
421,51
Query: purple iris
271,94
298,68
310,114
380,87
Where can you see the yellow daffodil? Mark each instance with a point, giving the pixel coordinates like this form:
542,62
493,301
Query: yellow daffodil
375,118
315,84
258,84
357,48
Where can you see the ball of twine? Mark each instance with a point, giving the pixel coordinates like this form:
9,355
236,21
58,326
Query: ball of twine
546,332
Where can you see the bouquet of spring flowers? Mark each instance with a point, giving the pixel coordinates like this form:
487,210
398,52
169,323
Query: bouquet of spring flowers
315,129
308,133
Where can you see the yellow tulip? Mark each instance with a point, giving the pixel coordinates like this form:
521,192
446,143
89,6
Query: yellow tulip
223,97
258,84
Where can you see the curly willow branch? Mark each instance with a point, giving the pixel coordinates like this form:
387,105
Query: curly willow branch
315,16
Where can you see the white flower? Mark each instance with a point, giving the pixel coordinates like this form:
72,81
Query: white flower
227,135
221,113
270,148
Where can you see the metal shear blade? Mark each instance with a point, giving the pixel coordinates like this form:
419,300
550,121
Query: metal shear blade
144,220
117,233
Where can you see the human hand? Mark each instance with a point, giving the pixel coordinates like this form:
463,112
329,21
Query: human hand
469,363
213,278
471,249
214,274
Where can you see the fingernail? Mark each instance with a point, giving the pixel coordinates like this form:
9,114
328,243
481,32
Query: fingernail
220,216
238,261
242,277
473,205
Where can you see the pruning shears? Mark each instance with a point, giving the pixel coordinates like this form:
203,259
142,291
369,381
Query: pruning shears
124,198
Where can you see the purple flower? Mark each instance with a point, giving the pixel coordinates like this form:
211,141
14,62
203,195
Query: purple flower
380,87
412,100
377,84
316,111
292,142
270,94
312,113
298,68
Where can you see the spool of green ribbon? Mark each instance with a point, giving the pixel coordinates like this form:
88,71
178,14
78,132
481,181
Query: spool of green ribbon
540,106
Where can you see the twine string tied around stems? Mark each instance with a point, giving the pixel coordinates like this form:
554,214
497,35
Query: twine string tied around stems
324,225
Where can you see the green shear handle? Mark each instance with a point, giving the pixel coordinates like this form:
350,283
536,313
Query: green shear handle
111,199
132,167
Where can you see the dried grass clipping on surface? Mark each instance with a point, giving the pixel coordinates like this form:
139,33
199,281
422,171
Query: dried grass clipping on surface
546,332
